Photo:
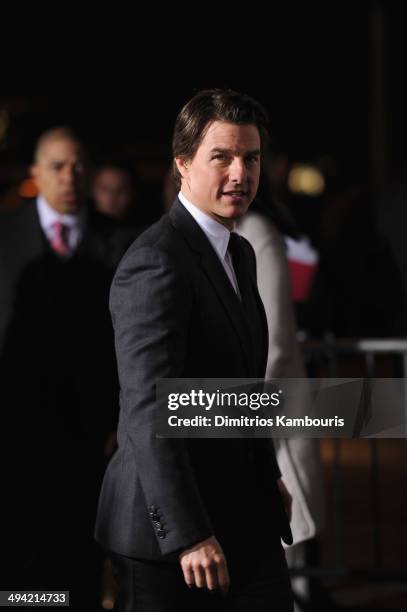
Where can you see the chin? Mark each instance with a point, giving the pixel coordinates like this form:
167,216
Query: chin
238,207
71,206
236,212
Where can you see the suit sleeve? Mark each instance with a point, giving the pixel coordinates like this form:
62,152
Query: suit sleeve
151,308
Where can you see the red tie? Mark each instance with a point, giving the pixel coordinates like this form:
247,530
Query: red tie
59,242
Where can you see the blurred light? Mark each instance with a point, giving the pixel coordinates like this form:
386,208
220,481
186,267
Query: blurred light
27,189
306,179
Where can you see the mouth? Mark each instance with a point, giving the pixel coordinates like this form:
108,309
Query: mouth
70,195
237,193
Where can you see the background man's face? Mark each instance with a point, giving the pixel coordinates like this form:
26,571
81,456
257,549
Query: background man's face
112,192
59,174
223,176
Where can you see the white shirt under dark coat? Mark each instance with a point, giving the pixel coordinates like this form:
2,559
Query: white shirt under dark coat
217,234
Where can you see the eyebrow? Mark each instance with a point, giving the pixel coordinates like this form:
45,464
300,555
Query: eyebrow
231,152
64,161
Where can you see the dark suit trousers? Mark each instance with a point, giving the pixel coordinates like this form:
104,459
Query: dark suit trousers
259,583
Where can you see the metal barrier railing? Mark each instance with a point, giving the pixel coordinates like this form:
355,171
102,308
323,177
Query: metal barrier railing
333,352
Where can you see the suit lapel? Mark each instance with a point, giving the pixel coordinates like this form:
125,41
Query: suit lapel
215,273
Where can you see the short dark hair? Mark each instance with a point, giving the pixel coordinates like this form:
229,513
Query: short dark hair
214,105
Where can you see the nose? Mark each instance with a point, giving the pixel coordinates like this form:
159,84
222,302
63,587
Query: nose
237,171
69,175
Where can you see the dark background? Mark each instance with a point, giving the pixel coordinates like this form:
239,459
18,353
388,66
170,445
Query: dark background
120,75
331,76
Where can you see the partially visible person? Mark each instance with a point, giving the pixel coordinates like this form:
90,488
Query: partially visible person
58,385
113,191
298,459
362,269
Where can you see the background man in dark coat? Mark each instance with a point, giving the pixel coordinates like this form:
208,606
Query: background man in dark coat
58,373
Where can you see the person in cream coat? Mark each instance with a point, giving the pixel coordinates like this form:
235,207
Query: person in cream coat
298,459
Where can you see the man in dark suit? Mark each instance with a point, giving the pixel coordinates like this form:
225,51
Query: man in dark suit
58,373
205,514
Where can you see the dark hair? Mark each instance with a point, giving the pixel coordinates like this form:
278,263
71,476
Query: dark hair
116,166
214,105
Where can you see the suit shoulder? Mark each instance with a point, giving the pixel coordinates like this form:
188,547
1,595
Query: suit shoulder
12,221
152,261
162,237
17,214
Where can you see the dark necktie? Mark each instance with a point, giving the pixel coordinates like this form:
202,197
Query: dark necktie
249,301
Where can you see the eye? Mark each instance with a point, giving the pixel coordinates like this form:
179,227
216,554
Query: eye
252,159
220,156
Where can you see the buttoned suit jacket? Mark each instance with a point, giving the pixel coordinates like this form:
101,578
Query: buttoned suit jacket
176,315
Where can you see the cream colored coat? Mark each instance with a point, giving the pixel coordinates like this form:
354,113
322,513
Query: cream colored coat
298,459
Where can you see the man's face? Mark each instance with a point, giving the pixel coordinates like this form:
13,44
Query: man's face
223,176
59,173
112,192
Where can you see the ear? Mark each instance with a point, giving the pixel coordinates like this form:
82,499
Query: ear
34,172
182,165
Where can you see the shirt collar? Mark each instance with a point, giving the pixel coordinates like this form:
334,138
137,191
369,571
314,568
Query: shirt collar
49,215
217,234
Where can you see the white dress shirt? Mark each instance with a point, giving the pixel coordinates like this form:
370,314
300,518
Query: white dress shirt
74,222
217,234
